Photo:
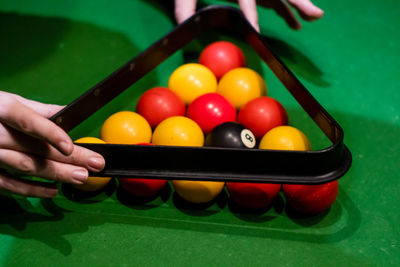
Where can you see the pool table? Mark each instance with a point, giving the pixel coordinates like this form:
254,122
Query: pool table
349,60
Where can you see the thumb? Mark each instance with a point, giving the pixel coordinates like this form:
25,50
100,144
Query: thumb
184,9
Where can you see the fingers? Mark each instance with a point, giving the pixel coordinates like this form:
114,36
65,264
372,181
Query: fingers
46,110
13,140
26,187
184,9
307,10
284,11
35,166
249,9
26,120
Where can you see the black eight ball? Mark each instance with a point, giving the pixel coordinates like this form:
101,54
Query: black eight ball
231,134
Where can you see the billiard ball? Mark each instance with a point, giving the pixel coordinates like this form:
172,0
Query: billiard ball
262,114
305,199
221,57
210,110
231,134
248,195
260,195
311,199
253,196
142,187
192,80
92,183
285,138
178,131
241,85
198,192
182,131
126,127
159,103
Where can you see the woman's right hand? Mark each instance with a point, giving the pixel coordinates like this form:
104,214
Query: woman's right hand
31,144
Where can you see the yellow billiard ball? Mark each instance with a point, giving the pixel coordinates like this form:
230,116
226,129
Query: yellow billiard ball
92,183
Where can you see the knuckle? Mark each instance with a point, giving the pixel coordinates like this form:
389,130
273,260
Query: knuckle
53,172
26,165
5,106
3,134
78,155
52,109
25,124
29,191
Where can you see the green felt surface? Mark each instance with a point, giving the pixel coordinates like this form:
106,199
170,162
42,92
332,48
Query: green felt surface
53,51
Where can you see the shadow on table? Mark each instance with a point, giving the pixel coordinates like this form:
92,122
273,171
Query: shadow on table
23,222
50,222
17,215
203,209
26,40
96,196
298,62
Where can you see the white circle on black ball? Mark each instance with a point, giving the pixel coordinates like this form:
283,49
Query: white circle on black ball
248,138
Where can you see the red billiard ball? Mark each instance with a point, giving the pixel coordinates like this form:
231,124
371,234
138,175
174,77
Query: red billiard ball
253,195
210,110
221,57
159,103
142,187
262,114
311,199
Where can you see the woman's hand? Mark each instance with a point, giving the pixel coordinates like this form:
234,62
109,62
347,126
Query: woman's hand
31,144
306,9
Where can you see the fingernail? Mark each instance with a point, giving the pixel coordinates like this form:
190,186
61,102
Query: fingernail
80,176
51,192
66,148
96,163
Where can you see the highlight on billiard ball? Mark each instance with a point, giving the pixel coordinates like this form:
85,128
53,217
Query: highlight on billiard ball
232,135
92,183
221,57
